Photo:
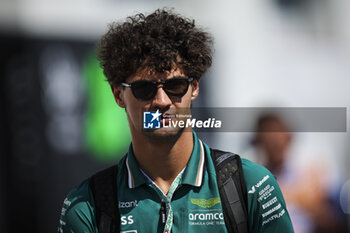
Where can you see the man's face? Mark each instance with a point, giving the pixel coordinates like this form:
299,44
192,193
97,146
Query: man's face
167,106
276,142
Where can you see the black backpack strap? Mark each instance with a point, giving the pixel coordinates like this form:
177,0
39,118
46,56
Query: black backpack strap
104,188
232,189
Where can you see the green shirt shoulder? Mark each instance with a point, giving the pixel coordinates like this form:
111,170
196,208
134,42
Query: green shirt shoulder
77,215
267,211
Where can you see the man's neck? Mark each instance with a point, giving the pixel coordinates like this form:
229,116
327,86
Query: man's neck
162,161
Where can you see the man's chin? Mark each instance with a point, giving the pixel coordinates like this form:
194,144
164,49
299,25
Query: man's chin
164,134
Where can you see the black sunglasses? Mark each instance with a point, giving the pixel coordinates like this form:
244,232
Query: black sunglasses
146,90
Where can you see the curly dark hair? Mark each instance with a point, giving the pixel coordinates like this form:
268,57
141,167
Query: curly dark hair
159,42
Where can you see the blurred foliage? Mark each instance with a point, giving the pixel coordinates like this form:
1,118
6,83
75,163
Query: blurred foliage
107,134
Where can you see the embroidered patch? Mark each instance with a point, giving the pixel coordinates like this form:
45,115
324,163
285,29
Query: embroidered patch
205,203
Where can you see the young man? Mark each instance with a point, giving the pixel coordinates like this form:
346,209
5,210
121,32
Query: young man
167,180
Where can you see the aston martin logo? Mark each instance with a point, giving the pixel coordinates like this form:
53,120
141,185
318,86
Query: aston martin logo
205,203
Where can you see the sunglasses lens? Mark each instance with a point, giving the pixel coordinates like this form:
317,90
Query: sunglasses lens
176,87
144,90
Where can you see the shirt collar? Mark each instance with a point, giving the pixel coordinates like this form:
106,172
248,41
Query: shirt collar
135,176
193,174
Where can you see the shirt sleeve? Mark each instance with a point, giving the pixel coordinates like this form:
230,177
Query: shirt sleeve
267,210
77,214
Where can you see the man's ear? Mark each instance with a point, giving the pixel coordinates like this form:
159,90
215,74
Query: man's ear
195,89
118,95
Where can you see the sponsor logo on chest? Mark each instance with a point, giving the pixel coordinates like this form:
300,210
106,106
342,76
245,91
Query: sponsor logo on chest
205,203
127,204
205,217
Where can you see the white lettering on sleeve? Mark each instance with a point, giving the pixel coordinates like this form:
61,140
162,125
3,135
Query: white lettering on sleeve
274,217
272,210
269,203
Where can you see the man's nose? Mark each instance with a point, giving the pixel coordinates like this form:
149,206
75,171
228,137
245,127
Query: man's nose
161,99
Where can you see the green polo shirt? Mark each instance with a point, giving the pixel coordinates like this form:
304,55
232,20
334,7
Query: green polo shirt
195,203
